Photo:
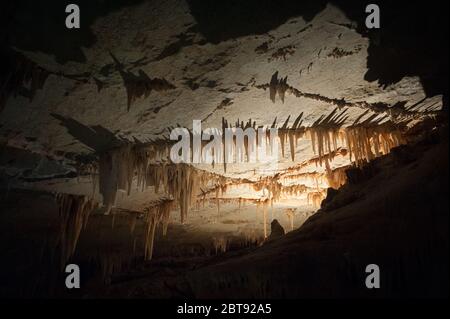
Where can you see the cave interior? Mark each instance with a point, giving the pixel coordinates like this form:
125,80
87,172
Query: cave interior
356,174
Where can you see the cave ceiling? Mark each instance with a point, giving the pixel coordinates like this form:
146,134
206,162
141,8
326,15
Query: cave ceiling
167,63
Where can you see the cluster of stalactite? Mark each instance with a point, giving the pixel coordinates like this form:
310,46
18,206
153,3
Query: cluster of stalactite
292,133
252,237
364,140
273,187
278,86
290,213
367,143
119,168
74,211
24,77
140,85
232,152
315,198
146,164
281,87
154,215
282,53
315,177
110,263
328,158
240,201
295,190
220,244
182,182
324,135
116,171
337,177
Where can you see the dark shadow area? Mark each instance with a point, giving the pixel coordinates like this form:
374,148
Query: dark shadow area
401,226
95,137
412,41
224,20
39,26
183,40
16,71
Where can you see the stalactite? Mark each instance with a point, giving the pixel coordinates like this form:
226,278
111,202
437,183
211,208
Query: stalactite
295,132
116,171
220,244
118,168
252,236
265,204
155,214
315,198
336,178
294,190
278,86
290,212
217,201
140,85
74,211
324,134
271,185
133,221
147,162
291,175
24,77
150,235
365,141
281,87
113,220
110,263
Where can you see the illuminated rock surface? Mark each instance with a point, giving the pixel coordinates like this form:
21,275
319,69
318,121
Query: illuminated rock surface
360,165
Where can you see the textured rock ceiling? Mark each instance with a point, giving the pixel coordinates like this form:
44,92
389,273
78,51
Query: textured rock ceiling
195,71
